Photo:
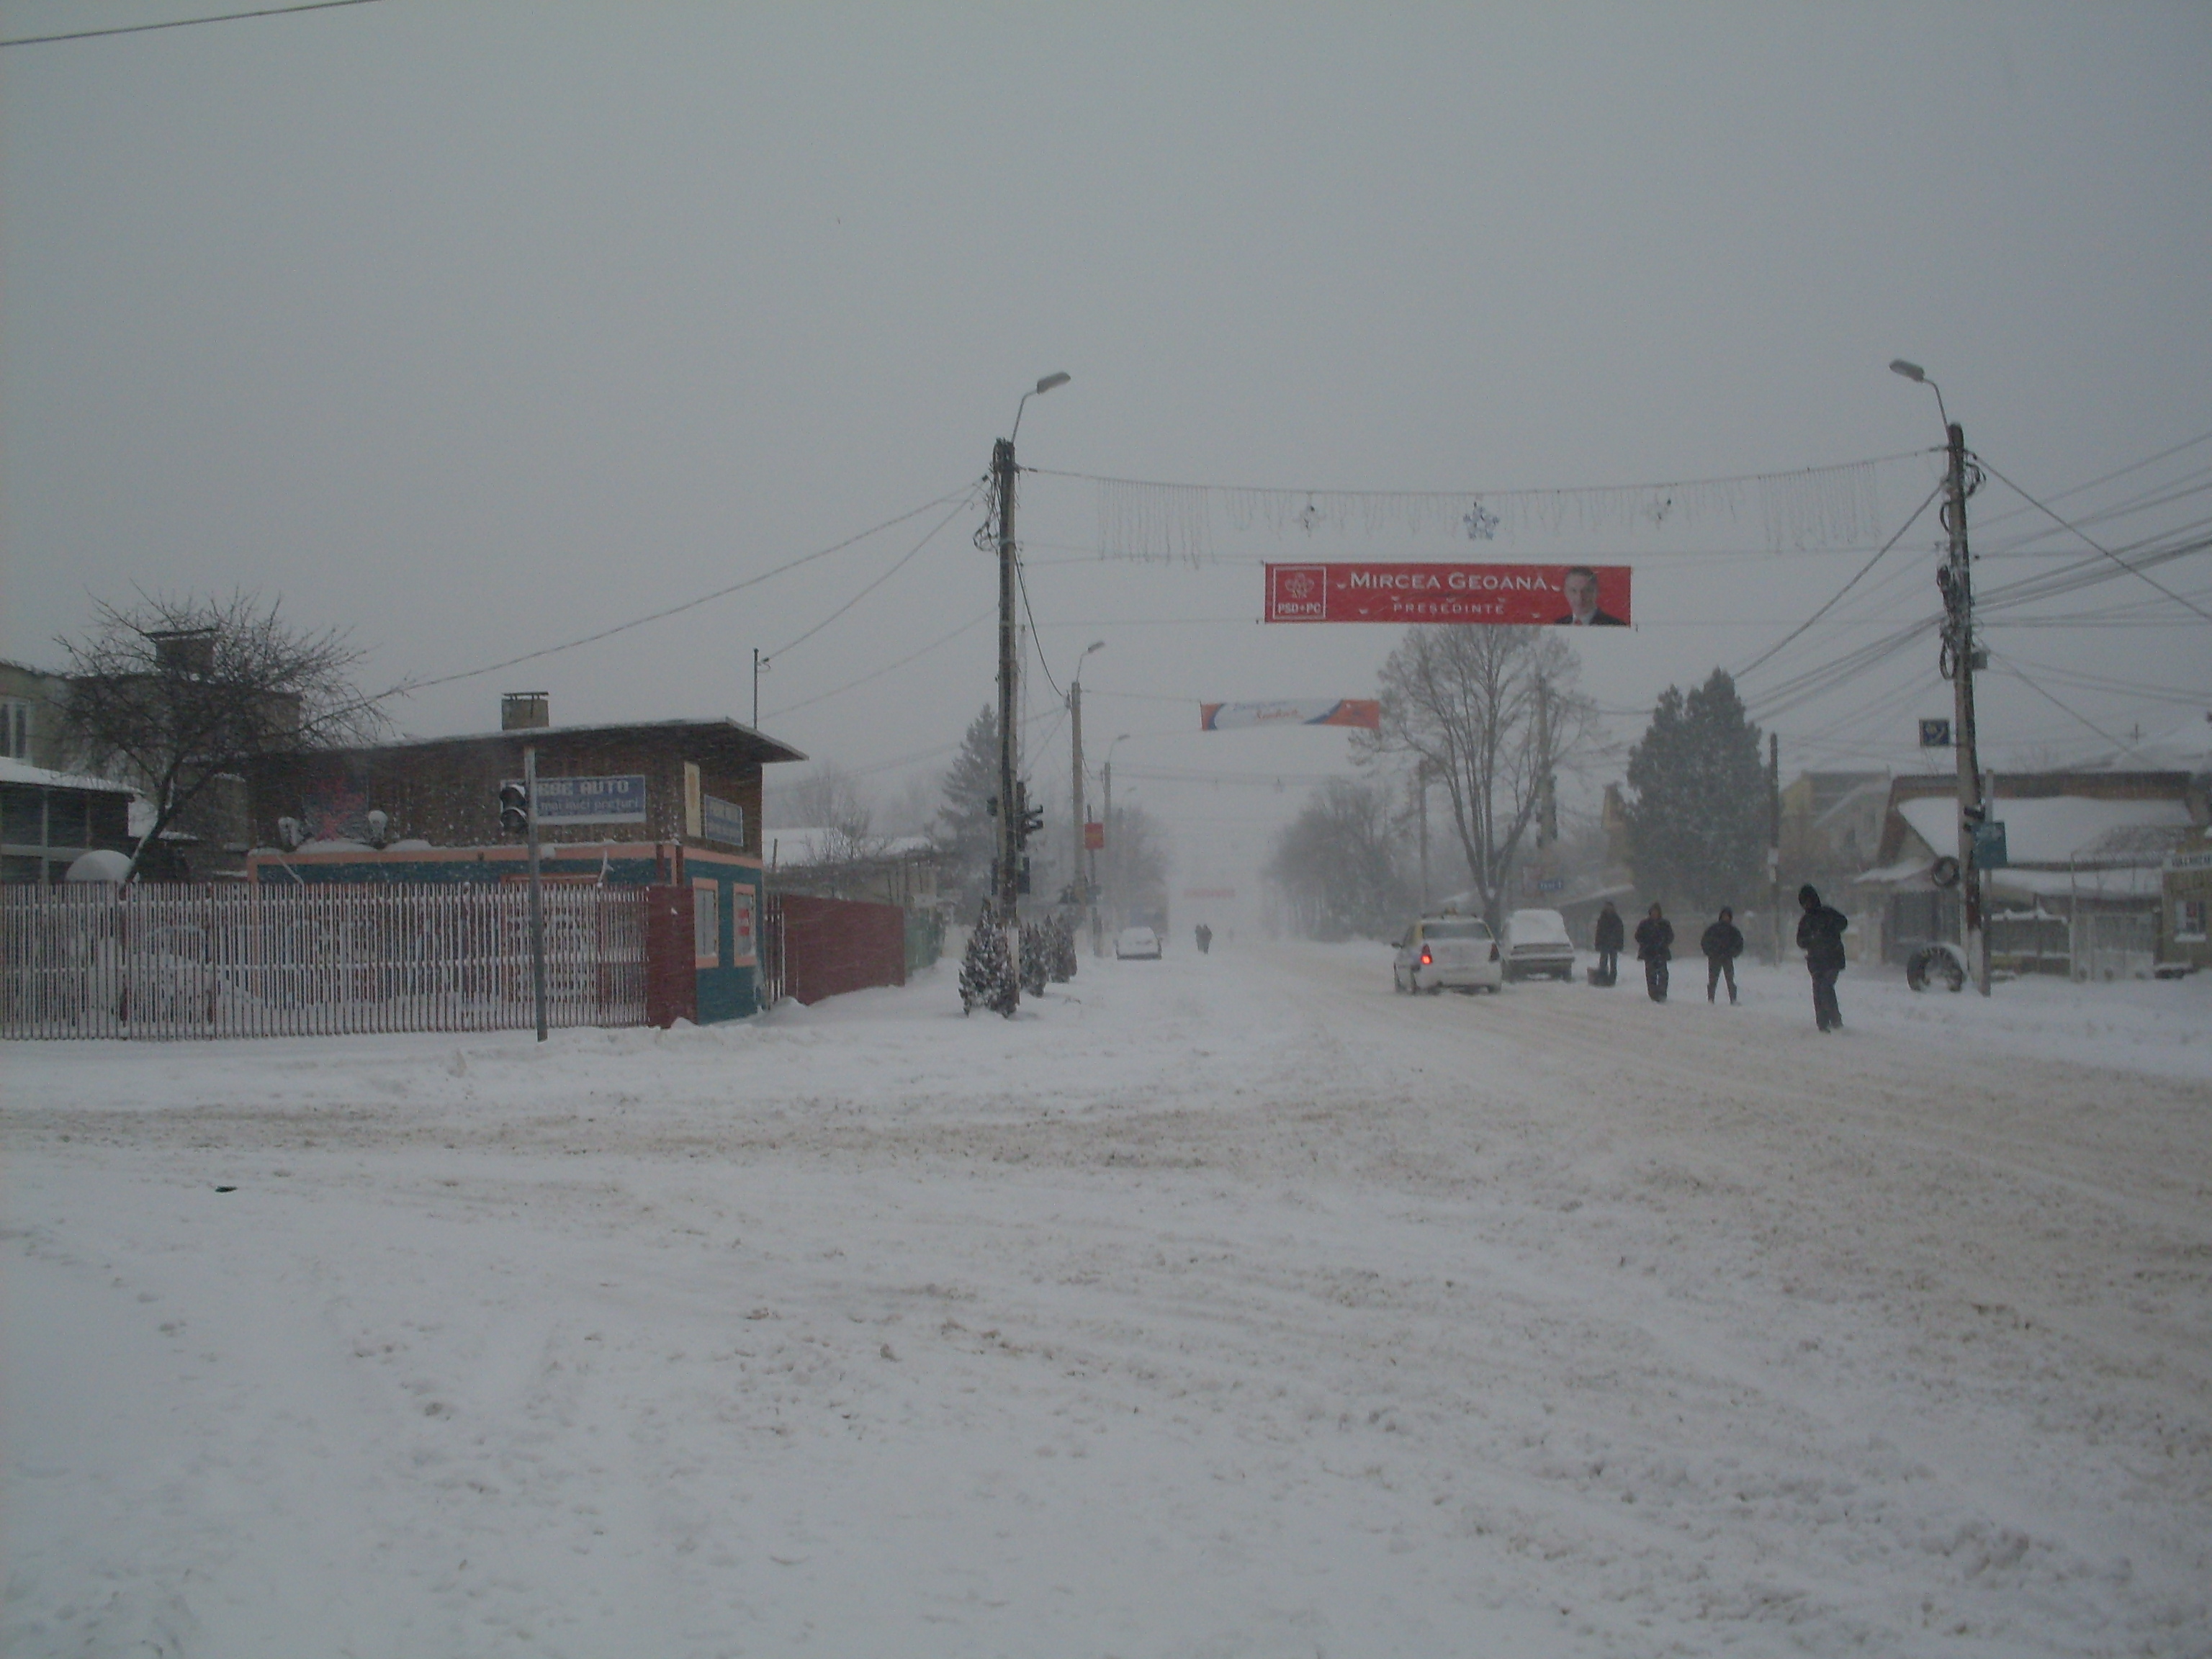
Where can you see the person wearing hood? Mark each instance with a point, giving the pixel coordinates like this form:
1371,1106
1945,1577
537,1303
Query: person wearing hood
1655,945
1723,943
1820,936
1607,939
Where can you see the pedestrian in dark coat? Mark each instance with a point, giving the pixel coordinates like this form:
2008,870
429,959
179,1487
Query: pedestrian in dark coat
1723,943
1611,934
1654,945
1820,936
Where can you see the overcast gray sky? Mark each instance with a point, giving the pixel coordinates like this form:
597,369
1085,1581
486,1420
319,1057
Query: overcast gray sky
478,327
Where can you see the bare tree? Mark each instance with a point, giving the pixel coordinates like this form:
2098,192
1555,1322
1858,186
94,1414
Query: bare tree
1341,864
171,695
1494,713
823,797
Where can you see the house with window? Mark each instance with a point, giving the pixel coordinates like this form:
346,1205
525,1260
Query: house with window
2079,891
51,818
655,802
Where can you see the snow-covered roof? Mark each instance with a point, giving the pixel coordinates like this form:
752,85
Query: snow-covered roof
2049,828
795,849
16,771
2133,881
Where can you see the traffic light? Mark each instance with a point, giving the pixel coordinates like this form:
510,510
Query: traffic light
513,808
1028,819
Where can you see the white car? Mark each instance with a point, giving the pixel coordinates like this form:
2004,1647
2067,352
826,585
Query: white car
1537,946
1458,951
1137,943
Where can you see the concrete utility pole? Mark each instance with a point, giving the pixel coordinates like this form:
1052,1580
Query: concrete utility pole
1005,887
1958,662
1956,580
1774,843
1078,884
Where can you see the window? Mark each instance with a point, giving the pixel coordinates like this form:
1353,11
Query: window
706,922
15,728
2189,918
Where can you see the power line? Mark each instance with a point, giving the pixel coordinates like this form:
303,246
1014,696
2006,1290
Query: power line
408,687
1799,631
958,506
888,668
2084,535
180,22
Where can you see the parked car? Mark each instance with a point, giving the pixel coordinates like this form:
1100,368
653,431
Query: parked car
1537,946
1137,943
1437,951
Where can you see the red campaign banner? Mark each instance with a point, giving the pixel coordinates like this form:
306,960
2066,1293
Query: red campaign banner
1546,594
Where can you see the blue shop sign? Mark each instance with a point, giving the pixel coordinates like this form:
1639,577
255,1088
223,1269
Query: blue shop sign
591,801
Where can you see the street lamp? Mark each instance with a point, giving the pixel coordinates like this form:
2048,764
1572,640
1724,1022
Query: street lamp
1955,580
1913,372
1048,383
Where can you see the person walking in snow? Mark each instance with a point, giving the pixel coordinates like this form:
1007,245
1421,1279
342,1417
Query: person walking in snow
1655,945
1611,934
1723,943
1820,936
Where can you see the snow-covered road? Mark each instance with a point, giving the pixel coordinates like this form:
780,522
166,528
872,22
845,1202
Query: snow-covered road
1222,1305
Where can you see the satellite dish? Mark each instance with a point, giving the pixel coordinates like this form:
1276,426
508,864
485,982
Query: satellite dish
1944,873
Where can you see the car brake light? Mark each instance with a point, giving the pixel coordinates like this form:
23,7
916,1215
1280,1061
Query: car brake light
1426,959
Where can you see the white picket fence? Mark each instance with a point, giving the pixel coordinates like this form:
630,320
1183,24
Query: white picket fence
88,960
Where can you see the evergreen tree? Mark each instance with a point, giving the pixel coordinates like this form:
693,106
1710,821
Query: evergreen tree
986,972
1696,830
968,832
1036,957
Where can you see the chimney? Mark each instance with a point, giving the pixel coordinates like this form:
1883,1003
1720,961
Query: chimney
525,711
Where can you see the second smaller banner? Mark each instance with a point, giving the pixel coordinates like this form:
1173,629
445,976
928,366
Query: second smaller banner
1363,713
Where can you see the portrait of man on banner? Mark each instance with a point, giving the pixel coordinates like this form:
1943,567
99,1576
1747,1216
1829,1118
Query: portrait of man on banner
1580,587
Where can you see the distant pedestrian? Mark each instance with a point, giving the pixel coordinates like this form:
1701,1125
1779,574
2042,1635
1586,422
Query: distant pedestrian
1608,938
1205,936
1654,945
1723,943
1820,936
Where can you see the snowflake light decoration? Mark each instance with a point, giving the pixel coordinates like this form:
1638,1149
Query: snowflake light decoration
1481,524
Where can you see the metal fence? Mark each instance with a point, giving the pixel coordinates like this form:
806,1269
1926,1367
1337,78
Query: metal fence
220,962
767,942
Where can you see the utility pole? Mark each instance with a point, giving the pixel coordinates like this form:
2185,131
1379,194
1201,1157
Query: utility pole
1006,889
1547,823
1421,813
1958,662
1075,881
1774,841
1111,845
1956,580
